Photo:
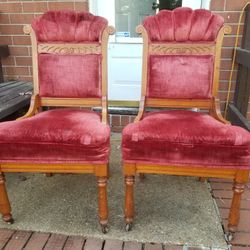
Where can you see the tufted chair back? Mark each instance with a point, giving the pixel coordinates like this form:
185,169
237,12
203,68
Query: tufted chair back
181,54
69,55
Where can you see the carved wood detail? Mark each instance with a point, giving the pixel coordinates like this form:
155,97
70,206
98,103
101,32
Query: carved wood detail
69,48
190,49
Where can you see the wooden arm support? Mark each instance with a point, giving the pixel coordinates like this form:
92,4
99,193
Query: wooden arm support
34,105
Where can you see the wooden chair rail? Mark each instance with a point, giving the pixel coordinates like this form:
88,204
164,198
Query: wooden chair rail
70,102
179,103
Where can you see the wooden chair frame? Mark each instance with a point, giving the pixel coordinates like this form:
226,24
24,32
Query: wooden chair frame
240,177
99,170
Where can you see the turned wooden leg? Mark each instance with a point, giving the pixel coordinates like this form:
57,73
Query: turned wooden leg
103,203
234,215
5,208
129,201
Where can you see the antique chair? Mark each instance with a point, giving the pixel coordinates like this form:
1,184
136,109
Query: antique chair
181,60
69,52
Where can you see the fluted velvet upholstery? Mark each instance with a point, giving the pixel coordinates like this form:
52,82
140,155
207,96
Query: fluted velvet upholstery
81,73
56,136
186,138
183,25
69,26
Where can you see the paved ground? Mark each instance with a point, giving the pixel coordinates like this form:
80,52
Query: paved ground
15,240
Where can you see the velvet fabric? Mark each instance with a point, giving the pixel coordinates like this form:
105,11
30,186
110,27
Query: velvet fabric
72,76
180,76
180,137
183,25
68,26
56,136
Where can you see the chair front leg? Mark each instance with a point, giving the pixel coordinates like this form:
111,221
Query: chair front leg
5,208
103,203
234,215
129,201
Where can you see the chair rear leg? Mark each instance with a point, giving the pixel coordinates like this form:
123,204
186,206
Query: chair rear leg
103,203
129,201
5,208
234,215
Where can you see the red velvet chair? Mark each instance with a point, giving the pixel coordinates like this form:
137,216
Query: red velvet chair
69,52
181,60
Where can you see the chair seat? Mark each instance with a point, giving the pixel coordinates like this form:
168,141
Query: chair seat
56,136
185,138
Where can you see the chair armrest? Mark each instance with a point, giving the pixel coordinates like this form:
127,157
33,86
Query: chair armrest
216,112
141,109
34,105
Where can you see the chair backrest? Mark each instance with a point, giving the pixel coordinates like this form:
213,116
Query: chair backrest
181,57
69,51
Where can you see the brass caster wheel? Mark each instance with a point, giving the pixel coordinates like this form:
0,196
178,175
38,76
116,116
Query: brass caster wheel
105,229
128,227
230,236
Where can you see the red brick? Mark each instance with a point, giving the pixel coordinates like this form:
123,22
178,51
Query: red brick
224,75
235,5
17,70
124,120
27,60
116,120
10,29
4,18
221,186
18,50
61,5
8,60
224,85
239,248
241,238
230,17
217,5
35,7
11,7
227,52
229,194
21,40
18,240
5,40
227,64
21,18
131,118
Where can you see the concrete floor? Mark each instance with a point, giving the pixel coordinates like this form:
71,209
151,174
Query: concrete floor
170,210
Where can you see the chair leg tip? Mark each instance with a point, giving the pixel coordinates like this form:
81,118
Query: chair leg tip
105,229
128,227
230,236
8,219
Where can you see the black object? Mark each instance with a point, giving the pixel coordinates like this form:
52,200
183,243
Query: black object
167,4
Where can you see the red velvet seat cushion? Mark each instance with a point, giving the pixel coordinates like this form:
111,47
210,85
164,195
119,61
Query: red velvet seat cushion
180,138
56,136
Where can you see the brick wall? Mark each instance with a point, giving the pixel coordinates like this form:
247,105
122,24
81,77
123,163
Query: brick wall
230,10
13,16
